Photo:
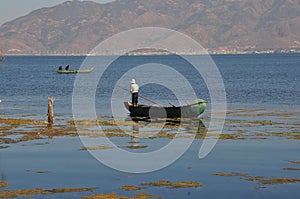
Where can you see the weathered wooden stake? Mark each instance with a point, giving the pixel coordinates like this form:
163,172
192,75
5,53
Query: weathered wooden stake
50,111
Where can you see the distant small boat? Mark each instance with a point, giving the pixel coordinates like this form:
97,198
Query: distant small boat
75,71
187,111
1,57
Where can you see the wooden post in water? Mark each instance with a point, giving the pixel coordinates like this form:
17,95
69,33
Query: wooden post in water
50,111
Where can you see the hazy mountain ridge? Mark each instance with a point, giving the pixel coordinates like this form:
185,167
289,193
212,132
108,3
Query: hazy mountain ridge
224,26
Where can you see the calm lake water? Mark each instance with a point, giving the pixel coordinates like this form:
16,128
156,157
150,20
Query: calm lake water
262,129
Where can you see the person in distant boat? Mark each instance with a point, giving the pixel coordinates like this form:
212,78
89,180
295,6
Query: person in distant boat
134,90
60,68
68,67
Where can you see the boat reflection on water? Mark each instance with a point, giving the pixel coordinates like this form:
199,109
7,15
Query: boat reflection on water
161,128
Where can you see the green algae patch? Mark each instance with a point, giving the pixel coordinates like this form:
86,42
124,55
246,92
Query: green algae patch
264,122
20,193
41,171
250,178
38,191
230,174
3,147
100,122
230,137
296,137
113,195
4,184
6,128
291,169
17,122
134,147
294,162
36,132
69,190
116,134
102,147
131,188
163,134
162,183
145,196
168,184
260,179
37,171
279,180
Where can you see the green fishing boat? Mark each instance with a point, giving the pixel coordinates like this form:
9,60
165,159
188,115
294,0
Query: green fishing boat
89,70
194,109
1,55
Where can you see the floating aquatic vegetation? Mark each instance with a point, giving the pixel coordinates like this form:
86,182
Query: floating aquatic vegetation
291,169
163,134
41,171
230,174
38,171
269,181
3,184
66,190
264,114
134,147
162,183
145,196
295,136
235,129
131,188
230,137
294,162
102,147
35,134
100,122
168,184
120,134
249,123
7,141
113,195
264,122
169,123
6,128
259,138
30,192
251,178
259,179
18,122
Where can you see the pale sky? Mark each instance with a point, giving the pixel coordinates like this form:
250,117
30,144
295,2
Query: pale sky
12,9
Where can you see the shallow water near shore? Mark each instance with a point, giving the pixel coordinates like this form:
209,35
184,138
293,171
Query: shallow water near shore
256,156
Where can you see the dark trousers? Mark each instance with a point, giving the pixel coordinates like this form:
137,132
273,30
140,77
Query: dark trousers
135,97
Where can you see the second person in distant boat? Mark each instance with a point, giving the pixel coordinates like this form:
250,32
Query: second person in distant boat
68,67
134,90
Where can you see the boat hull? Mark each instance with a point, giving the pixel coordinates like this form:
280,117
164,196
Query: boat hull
75,71
187,111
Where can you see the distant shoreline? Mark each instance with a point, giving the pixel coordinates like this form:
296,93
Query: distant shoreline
133,55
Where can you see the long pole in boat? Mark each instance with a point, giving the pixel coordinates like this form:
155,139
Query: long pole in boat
149,100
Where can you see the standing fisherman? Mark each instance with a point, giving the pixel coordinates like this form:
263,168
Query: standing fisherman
134,90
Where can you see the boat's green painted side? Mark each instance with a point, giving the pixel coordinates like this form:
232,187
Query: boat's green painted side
75,71
187,111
